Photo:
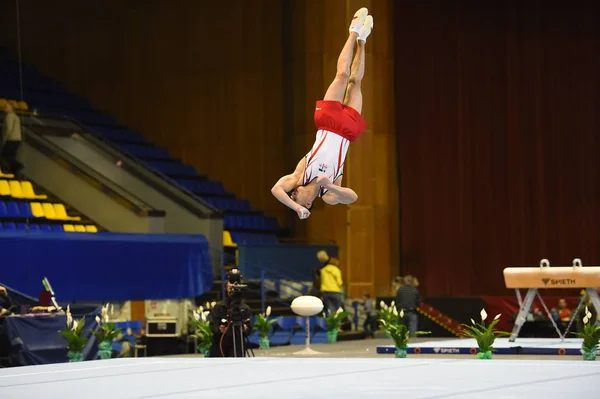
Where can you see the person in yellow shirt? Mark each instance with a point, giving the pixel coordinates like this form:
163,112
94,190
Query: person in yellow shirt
331,286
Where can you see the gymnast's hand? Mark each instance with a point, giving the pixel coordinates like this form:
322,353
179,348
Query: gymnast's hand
303,213
323,181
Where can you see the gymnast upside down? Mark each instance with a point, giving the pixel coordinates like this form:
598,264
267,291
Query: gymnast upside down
339,122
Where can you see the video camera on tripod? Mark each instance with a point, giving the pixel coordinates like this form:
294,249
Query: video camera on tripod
234,277
236,317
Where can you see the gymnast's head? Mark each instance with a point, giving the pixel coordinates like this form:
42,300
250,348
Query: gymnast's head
304,196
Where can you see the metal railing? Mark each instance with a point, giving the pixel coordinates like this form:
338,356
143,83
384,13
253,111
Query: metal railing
52,150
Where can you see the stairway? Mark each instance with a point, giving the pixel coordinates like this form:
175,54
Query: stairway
441,319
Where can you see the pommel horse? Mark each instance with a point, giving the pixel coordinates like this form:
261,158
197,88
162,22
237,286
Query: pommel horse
534,278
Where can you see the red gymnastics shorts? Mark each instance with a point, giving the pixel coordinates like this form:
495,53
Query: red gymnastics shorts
339,119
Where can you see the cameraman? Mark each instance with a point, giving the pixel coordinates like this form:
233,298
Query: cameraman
222,321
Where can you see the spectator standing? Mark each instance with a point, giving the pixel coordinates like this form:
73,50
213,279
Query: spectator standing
370,324
408,299
331,286
11,141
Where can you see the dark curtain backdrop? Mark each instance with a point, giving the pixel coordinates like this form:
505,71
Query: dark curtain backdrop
497,110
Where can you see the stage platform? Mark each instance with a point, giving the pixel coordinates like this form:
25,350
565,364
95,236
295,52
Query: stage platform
522,346
267,377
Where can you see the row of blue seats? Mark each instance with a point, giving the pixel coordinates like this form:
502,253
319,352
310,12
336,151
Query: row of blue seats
206,187
292,330
14,209
146,151
252,238
238,222
229,204
9,226
9,75
130,329
84,116
118,134
173,168
133,142
42,99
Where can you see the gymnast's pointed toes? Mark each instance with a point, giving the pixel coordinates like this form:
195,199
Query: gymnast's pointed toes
358,20
365,30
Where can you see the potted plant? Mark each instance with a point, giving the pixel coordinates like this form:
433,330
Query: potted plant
399,332
105,334
263,325
484,335
386,316
590,335
73,335
203,333
333,324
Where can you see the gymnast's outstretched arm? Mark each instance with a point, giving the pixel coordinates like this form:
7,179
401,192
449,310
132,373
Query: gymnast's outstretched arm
286,184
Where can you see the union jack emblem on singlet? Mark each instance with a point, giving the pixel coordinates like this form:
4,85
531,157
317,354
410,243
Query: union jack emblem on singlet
326,158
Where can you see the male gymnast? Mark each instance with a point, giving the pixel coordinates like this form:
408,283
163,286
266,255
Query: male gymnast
339,123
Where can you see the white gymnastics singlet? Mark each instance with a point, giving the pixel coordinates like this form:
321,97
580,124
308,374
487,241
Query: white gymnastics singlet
327,158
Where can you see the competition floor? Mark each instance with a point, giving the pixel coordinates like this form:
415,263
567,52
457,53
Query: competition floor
352,370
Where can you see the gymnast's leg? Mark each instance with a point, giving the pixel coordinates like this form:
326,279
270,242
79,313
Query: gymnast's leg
353,93
337,88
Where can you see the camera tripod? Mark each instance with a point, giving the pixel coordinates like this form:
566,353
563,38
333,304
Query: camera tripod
237,329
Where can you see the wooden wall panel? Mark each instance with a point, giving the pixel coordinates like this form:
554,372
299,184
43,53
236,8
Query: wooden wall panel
496,105
201,78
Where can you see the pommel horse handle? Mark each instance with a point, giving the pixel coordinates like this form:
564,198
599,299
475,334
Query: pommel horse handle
534,278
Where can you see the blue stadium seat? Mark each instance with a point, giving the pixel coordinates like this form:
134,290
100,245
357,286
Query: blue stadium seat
253,238
146,151
254,337
229,204
203,187
299,335
319,330
249,222
57,227
45,227
120,135
13,209
283,330
9,226
25,209
173,168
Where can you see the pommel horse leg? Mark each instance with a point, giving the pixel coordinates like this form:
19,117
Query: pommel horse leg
594,298
523,312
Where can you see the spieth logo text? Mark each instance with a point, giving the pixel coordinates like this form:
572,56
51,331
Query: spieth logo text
559,281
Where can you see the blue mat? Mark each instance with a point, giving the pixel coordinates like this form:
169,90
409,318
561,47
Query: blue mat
106,266
34,340
522,346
